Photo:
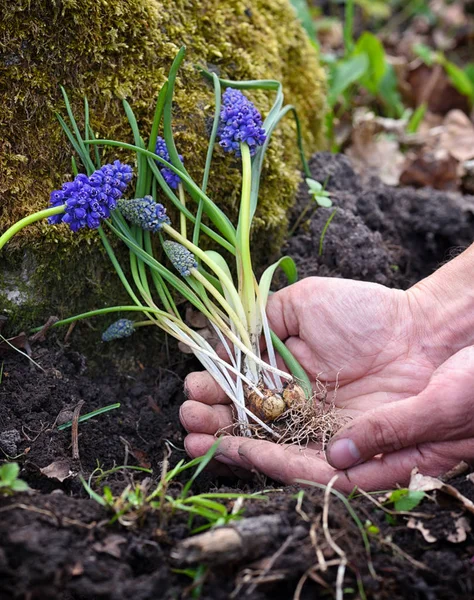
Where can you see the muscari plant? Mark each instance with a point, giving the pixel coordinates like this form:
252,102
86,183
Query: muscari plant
102,199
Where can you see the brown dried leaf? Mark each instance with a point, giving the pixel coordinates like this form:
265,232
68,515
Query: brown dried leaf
420,526
373,152
59,469
426,483
462,529
432,85
194,318
111,545
457,136
436,169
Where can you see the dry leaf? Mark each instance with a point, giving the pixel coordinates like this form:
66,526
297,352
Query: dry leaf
462,529
426,483
111,545
457,136
431,85
194,318
373,152
433,169
420,526
59,469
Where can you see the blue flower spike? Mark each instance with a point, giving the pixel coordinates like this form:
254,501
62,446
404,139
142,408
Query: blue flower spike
144,212
240,122
181,258
88,200
171,178
122,328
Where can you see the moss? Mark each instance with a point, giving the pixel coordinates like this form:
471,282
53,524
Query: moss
112,49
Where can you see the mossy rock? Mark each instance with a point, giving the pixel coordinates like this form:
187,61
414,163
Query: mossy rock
113,49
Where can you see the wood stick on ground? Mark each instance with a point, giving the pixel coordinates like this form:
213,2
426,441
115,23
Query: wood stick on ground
75,430
248,539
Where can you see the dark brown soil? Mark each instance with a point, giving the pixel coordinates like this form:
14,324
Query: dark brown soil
56,543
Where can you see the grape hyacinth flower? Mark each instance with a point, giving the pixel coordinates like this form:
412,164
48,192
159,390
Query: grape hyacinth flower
144,212
122,328
182,259
240,122
88,200
171,178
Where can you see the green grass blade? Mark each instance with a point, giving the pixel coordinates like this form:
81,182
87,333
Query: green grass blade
210,149
89,165
202,465
157,118
94,413
293,365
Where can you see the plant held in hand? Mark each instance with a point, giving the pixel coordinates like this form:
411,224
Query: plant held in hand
235,307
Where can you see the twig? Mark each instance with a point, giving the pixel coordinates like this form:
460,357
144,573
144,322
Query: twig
40,335
75,430
327,534
270,564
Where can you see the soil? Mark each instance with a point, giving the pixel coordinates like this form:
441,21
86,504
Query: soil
56,543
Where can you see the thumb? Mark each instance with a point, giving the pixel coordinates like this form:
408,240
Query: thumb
444,410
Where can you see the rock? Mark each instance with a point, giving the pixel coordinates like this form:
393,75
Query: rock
112,50
9,441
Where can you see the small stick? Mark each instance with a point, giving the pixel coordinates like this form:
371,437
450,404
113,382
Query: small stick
75,430
40,336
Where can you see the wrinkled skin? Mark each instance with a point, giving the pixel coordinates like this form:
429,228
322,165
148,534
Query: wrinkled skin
404,365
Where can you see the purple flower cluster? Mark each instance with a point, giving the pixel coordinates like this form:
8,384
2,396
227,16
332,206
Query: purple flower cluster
122,328
144,212
88,200
240,122
171,178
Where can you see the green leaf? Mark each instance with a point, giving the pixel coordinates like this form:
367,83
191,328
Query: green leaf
9,472
405,500
323,200
459,79
372,47
304,15
313,185
427,55
19,486
345,73
91,492
388,92
417,118
469,71
288,266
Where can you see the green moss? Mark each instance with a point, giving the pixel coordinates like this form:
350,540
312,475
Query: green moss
112,49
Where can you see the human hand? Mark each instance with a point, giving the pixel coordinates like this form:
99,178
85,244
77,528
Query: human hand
383,352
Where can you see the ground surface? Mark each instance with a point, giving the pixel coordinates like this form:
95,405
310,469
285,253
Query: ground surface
56,543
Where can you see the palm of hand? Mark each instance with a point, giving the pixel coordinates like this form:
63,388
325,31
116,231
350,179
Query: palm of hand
356,336
362,338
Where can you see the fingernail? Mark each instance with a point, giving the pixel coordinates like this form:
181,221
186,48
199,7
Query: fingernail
343,454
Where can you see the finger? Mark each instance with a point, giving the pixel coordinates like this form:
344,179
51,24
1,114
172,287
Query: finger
201,418
197,445
390,470
442,411
291,464
201,387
